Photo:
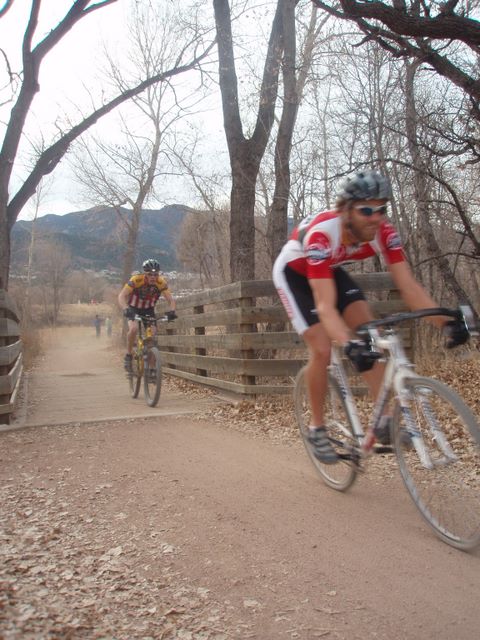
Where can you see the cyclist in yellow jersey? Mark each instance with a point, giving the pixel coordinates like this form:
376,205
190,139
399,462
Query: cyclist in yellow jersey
139,297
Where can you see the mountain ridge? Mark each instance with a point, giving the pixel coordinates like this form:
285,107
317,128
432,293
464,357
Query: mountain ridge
96,237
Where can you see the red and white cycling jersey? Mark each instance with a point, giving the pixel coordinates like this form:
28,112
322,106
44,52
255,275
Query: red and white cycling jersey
143,295
316,246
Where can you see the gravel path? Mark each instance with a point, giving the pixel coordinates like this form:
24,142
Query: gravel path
204,522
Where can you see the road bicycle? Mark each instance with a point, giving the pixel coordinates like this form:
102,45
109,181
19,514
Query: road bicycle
434,435
146,361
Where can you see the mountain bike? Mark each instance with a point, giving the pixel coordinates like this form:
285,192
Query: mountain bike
434,435
146,361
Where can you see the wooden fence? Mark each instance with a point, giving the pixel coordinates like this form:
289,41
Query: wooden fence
228,337
11,359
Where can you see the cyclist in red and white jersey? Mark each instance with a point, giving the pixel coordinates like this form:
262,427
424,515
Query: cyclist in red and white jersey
325,304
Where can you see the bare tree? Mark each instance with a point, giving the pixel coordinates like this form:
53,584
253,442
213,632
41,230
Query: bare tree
7,5
278,214
245,153
422,187
37,199
82,286
425,31
53,264
293,88
213,216
125,172
203,245
33,57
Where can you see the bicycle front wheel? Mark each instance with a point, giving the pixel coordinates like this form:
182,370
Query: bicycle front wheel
342,474
446,485
135,377
152,376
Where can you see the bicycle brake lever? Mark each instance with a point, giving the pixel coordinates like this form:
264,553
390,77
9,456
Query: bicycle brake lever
468,318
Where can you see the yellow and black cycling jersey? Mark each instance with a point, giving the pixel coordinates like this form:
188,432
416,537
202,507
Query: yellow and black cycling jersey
143,295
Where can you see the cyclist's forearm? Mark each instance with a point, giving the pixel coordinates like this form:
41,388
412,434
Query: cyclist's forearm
412,292
415,297
171,301
123,300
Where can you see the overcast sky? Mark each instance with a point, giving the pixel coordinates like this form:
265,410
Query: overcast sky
67,74
66,68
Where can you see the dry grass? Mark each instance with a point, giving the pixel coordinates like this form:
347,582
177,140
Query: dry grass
83,314
32,345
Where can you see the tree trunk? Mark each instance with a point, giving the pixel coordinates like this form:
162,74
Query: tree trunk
422,195
277,224
242,220
245,154
131,248
4,247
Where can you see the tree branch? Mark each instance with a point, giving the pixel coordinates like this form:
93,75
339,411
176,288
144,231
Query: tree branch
8,5
52,156
444,26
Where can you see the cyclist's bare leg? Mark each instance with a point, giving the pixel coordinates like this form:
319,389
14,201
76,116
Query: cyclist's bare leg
354,315
131,335
319,347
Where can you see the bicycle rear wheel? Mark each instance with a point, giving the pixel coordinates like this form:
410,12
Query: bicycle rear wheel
341,475
152,376
448,493
135,378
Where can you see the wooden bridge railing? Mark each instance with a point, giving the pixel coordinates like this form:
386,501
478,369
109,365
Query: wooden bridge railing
11,358
226,337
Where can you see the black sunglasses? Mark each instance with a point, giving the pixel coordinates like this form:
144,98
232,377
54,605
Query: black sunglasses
369,211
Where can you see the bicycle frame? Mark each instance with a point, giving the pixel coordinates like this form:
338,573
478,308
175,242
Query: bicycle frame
398,369
435,435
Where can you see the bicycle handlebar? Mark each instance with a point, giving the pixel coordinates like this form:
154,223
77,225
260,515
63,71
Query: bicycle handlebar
150,319
464,312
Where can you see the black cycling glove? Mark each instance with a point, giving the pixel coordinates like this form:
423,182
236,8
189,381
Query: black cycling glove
455,332
171,315
360,354
129,313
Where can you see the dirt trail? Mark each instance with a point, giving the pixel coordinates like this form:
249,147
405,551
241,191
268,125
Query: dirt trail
80,378
175,527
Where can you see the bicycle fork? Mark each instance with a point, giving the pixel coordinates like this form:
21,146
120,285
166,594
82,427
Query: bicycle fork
437,433
406,399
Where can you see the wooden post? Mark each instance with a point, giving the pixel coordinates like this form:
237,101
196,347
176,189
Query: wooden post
244,327
11,360
200,331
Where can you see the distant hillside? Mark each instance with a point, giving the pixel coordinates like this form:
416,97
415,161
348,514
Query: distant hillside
96,237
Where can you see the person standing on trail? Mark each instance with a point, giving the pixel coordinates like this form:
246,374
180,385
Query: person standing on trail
139,297
98,325
325,304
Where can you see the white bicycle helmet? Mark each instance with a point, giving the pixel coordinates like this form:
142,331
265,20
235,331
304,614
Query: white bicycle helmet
367,185
151,265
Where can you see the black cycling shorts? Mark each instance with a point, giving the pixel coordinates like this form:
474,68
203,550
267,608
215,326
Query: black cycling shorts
145,313
299,289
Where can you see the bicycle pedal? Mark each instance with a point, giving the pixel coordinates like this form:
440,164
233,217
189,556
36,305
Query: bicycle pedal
382,448
352,457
